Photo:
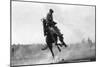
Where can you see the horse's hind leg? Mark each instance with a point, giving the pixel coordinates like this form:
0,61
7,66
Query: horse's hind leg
50,47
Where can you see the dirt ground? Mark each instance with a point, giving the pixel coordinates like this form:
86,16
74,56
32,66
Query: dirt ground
31,54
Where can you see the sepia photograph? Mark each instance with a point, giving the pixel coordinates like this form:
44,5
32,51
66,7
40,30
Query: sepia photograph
44,33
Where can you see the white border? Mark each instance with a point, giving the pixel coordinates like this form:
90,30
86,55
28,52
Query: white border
5,33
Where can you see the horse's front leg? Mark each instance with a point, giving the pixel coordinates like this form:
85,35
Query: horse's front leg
62,40
58,47
56,40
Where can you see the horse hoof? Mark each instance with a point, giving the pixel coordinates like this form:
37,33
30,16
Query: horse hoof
65,45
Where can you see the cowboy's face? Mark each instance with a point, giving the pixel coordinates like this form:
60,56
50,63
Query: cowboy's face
51,12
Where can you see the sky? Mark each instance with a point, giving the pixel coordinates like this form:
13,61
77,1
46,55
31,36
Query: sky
75,22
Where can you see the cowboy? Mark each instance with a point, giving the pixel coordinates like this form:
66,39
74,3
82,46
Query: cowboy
52,25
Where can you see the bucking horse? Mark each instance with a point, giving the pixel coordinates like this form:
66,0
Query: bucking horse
51,37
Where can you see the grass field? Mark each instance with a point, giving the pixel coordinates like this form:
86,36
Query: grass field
31,54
